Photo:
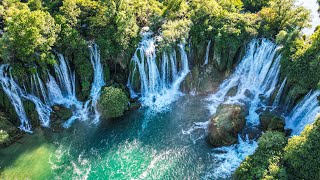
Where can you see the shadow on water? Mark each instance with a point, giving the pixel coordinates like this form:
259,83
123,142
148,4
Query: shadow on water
27,153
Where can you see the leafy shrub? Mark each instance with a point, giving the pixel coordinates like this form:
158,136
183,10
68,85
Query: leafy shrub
4,136
302,154
113,102
266,162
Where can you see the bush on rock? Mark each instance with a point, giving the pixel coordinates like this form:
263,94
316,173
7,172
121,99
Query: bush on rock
113,102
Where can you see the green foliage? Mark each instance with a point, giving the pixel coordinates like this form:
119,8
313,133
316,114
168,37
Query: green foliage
29,35
231,5
4,137
266,162
302,154
113,102
175,31
282,15
254,5
277,159
301,63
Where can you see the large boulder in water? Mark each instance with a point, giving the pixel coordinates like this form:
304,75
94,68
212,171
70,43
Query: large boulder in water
226,124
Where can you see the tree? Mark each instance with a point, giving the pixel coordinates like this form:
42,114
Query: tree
283,15
254,5
302,154
28,35
113,102
266,162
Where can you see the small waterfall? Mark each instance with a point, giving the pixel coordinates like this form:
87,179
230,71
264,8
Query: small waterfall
159,81
279,94
82,111
98,80
65,77
303,113
58,90
14,92
206,61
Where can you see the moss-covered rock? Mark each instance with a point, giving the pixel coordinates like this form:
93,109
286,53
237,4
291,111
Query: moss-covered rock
226,124
202,79
8,132
269,121
31,112
58,116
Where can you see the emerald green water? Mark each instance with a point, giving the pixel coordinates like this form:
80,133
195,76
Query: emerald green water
141,145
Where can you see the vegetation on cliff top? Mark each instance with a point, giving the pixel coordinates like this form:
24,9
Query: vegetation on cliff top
277,158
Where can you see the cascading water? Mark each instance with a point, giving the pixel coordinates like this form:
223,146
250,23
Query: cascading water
159,82
254,79
82,111
206,61
279,94
256,75
57,91
98,80
14,92
303,113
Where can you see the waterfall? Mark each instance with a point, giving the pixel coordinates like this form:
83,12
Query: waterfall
58,90
13,91
98,80
303,113
159,81
256,76
254,79
82,111
206,61
65,77
279,94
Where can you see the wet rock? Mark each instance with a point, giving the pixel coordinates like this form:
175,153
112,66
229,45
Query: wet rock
248,94
59,115
269,121
12,132
31,112
134,106
62,113
226,124
202,79
233,91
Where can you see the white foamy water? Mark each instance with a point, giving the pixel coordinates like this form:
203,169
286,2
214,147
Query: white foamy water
60,89
159,81
303,113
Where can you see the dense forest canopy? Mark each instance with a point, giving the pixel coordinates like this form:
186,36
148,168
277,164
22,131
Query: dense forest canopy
32,31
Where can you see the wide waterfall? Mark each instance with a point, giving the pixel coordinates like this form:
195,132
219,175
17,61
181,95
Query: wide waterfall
303,113
159,81
58,90
254,80
255,77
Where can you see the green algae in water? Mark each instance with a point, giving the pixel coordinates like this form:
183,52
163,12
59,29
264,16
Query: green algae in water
27,159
